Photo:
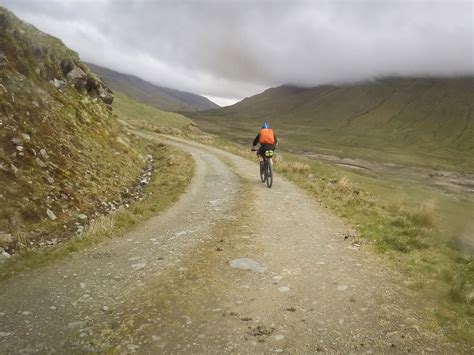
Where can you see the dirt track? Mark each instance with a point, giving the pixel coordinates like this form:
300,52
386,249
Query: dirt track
167,286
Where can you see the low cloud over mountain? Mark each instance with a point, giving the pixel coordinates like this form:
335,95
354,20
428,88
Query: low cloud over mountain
235,49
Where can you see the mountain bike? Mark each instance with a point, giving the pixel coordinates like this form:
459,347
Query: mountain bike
266,168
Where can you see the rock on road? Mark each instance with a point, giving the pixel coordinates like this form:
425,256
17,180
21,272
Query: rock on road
232,267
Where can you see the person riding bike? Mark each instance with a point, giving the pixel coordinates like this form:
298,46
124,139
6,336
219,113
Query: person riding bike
267,140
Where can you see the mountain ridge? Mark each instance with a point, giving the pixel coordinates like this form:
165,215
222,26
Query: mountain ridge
414,118
146,92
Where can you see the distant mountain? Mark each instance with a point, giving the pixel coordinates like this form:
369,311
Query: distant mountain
409,120
161,97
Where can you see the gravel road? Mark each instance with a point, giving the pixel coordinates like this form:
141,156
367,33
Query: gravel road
232,267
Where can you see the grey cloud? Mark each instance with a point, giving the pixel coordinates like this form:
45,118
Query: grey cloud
237,48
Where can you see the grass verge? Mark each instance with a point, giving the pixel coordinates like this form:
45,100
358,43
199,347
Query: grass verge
173,172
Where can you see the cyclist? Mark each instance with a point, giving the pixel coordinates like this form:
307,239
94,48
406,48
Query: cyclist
267,140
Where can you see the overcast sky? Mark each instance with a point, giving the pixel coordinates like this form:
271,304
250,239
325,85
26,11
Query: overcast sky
227,50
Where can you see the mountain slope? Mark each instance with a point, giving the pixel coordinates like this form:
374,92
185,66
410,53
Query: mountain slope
62,152
412,120
161,97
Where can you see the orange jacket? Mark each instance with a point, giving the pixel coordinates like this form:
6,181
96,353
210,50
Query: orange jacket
266,136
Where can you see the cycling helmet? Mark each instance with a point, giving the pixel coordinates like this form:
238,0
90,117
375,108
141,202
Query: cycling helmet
265,125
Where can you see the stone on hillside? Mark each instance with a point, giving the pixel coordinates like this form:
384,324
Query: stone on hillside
246,264
3,57
58,84
122,141
14,169
44,154
20,148
5,238
40,163
82,216
138,266
17,141
4,255
26,137
78,78
51,214
76,325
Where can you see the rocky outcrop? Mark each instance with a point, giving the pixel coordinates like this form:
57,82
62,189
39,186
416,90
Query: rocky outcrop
86,80
77,77
105,94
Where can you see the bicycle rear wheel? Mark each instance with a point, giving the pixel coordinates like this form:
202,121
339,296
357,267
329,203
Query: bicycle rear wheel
269,172
263,171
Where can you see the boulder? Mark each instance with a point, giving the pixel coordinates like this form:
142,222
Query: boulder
78,78
105,94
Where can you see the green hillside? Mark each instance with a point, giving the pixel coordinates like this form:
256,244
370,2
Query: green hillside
62,153
161,97
141,115
425,121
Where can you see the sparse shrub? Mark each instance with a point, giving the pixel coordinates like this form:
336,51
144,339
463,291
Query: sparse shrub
395,243
396,207
423,216
101,227
343,184
458,288
296,167
399,221
30,213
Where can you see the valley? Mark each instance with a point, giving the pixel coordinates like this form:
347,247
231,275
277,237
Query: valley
423,122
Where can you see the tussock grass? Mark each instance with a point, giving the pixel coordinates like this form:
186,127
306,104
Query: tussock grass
423,216
173,172
291,166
